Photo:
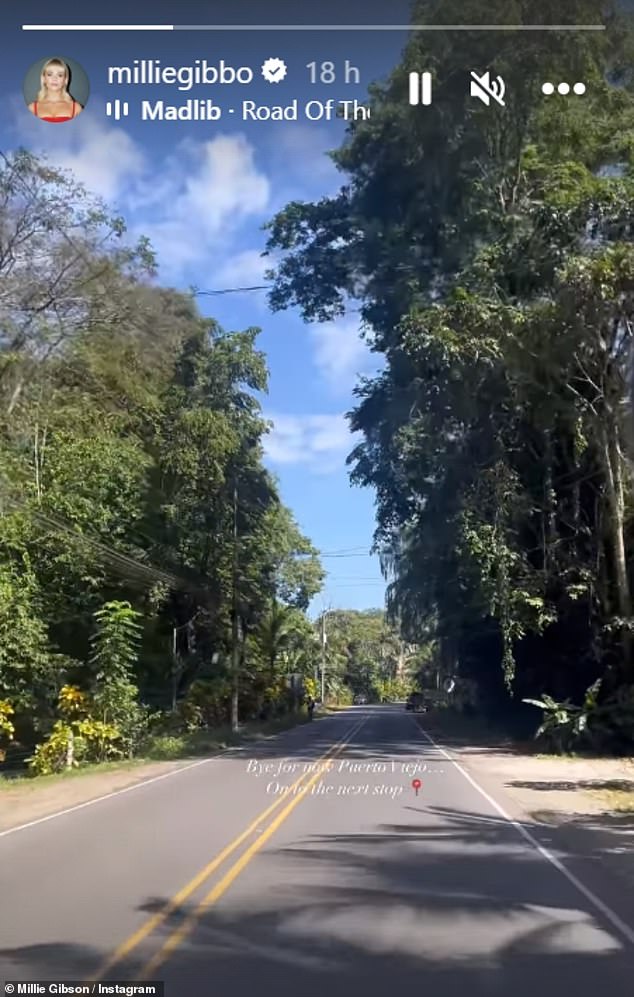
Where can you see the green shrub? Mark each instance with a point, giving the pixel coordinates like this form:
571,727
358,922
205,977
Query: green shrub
602,725
165,747
205,705
342,696
7,728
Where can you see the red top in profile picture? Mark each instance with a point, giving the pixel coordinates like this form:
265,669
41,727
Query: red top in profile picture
54,102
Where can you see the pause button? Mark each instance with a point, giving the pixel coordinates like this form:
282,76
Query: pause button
420,89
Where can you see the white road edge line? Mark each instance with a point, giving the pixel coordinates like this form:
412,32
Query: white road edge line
607,912
108,796
126,789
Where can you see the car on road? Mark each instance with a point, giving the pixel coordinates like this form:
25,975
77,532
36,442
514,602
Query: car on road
415,703
360,700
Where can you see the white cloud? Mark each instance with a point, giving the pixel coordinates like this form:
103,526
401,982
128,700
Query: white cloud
105,159
208,190
246,269
223,187
190,206
301,153
319,442
340,354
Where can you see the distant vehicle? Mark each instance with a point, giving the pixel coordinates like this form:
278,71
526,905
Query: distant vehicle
360,700
415,703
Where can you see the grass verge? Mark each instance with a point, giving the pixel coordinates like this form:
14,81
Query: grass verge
617,800
167,748
33,782
203,742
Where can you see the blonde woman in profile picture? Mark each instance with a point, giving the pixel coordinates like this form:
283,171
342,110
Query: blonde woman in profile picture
54,103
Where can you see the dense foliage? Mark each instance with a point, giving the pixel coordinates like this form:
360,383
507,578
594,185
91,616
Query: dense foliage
491,251
147,564
365,657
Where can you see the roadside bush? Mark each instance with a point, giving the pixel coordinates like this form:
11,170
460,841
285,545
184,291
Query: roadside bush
311,690
165,747
606,725
277,700
7,729
68,744
206,704
342,695
77,736
390,690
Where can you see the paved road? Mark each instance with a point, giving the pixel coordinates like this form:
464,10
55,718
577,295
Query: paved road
355,886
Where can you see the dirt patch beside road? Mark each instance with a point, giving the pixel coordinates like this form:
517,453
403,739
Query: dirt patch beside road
29,801
559,786
538,784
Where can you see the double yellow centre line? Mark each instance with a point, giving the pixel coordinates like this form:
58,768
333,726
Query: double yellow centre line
172,906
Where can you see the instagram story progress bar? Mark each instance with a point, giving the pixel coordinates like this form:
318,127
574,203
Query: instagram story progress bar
313,27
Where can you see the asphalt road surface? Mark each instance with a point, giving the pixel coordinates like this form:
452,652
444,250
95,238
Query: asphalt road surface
216,883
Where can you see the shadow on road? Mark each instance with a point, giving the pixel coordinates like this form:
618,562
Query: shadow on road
450,905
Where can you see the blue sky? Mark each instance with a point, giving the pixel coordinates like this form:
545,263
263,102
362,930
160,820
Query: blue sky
201,192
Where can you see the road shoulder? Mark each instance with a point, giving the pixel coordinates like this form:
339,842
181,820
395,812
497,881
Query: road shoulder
580,808
30,800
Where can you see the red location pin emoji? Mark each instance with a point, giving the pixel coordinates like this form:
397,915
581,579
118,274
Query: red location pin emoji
416,783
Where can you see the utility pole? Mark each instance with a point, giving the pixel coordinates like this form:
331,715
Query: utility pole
235,691
175,668
323,656
177,664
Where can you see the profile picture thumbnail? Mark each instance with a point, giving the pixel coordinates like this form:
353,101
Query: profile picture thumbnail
56,90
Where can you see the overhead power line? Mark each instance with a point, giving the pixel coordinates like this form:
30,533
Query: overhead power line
355,578
346,550
216,291
131,567
366,554
352,552
230,290
128,566
360,585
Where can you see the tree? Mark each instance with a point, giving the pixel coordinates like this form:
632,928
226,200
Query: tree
142,540
365,655
114,655
62,263
491,257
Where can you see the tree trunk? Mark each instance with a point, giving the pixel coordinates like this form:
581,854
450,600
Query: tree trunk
175,684
235,687
70,750
549,513
177,671
15,395
615,532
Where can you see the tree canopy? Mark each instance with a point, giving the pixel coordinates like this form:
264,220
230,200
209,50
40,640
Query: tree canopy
141,535
364,655
490,252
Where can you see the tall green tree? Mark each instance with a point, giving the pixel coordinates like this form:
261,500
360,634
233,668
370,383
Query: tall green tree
490,251
132,474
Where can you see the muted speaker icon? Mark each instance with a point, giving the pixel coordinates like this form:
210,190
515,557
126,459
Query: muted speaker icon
117,109
486,89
